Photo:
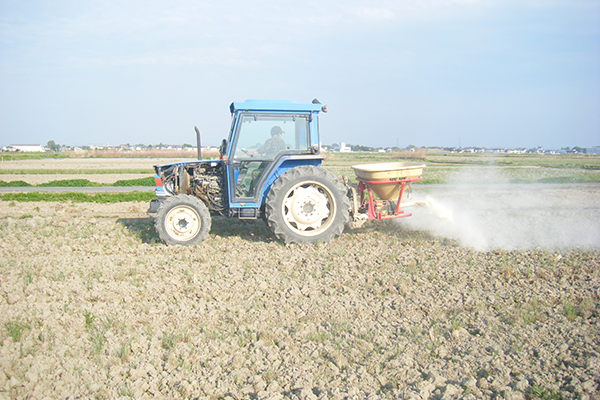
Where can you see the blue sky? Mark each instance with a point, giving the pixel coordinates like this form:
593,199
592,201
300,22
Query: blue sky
489,73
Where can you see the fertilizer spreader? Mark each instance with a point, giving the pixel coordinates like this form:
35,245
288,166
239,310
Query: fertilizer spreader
388,181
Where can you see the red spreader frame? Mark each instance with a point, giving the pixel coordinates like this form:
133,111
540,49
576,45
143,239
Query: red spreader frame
369,203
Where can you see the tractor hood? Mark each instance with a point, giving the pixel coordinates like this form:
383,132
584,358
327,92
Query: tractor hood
212,162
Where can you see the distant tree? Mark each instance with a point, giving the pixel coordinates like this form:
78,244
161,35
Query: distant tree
52,145
360,148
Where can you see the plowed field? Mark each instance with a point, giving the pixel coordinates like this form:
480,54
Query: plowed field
93,306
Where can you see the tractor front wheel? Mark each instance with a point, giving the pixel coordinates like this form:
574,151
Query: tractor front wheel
307,204
182,220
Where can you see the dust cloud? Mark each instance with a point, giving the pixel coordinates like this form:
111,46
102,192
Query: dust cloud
510,216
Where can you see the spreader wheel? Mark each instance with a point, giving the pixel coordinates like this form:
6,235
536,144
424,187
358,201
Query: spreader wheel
182,220
307,204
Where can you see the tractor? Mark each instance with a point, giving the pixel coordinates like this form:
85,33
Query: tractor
270,168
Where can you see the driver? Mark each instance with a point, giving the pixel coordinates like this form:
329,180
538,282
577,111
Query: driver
273,145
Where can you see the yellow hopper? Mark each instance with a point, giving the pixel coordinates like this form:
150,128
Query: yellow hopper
385,178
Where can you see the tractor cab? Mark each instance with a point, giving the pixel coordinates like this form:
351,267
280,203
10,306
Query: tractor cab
266,139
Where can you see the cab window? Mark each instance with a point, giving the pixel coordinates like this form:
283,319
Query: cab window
260,139
265,136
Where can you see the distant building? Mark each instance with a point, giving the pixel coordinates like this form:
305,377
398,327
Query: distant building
342,148
35,148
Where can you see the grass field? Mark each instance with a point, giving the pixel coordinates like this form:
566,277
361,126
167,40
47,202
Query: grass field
445,167
442,167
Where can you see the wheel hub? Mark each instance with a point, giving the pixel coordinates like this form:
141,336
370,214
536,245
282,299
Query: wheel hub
182,223
306,208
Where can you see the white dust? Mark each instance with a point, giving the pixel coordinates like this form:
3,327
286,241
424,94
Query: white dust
510,216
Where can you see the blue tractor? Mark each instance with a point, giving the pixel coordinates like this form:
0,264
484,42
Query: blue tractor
269,167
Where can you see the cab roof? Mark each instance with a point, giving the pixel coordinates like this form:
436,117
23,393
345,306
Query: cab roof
274,105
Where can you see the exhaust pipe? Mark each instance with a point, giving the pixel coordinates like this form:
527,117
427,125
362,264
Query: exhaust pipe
198,142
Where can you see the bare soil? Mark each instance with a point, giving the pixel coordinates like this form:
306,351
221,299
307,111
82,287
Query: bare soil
93,306
86,163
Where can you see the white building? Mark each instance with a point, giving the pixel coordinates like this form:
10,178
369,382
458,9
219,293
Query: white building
342,148
35,148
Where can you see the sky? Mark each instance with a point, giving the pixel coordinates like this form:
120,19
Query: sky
448,73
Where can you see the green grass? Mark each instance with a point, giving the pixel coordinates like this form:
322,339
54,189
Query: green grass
15,329
149,181
78,197
537,392
89,319
70,183
168,340
14,184
31,156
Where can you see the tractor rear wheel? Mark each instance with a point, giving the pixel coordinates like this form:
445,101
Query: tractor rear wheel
182,220
307,204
